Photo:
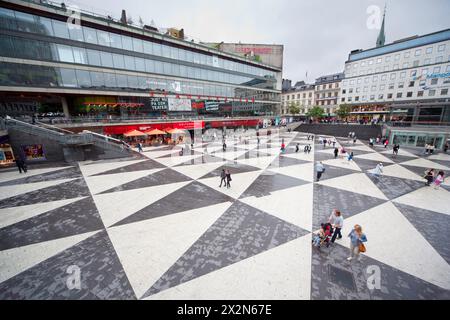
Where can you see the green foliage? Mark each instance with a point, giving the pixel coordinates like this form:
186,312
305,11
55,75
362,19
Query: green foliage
343,111
294,109
316,112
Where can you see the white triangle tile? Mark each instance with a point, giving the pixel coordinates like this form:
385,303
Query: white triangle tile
341,163
149,248
303,171
301,155
176,159
401,152
259,162
13,175
13,215
360,148
229,155
240,182
393,240
440,156
425,163
398,171
283,272
90,169
105,182
280,204
355,182
157,154
211,149
14,190
196,171
427,198
116,206
375,156
16,260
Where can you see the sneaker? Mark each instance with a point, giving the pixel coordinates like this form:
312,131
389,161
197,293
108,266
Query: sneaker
349,258
339,237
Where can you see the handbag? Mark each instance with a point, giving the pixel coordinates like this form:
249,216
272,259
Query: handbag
362,247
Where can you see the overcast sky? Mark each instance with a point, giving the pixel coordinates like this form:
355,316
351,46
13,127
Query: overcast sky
317,34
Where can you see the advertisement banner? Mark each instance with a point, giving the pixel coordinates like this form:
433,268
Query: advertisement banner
211,106
179,104
158,103
33,152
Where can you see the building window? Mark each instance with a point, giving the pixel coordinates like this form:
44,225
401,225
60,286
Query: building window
429,50
344,91
427,61
405,65
418,52
382,86
383,77
397,56
444,92
400,85
357,98
415,63
349,99
342,99
357,90
411,84
413,73
420,93
434,81
438,59
389,95
409,94
425,71
373,88
402,75
387,59
406,54
391,86
374,78
437,69
441,48
392,77
379,60
372,97
422,83
350,90
431,93
399,94
380,96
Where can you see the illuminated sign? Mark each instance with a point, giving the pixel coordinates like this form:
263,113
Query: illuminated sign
256,50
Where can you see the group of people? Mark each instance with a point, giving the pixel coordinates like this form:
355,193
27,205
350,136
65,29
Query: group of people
331,230
429,149
433,177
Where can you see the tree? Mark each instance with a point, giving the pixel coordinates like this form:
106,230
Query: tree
343,111
294,109
315,112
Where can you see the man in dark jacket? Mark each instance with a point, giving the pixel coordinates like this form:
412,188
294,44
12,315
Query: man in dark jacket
20,162
222,178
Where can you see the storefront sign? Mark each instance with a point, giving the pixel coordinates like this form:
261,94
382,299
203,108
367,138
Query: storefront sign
197,105
6,153
179,104
211,106
438,75
33,152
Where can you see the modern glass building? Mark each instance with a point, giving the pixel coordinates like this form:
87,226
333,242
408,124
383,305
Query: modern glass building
86,64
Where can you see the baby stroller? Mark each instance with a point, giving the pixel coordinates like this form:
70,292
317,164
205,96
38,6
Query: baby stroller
323,237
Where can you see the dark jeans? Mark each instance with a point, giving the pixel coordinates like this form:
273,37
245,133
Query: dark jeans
228,184
319,174
22,167
337,232
224,183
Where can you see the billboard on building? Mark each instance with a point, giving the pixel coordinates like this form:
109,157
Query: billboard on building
271,55
176,104
158,103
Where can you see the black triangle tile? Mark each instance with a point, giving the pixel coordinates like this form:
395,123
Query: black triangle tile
417,170
282,161
334,172
76,218
267,183
69,173
399,158
321,156
432,225
233,166
185,153
183,199
394,187
164,176
148,164
335,278
349,203
366,164
102,275
249,232
253,154
68,190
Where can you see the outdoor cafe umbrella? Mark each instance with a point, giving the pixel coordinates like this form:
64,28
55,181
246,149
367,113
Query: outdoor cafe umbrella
175,131
134,133
154,132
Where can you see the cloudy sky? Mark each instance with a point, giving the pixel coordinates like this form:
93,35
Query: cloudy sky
317,35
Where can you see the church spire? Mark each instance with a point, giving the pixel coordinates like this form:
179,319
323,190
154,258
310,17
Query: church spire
381,36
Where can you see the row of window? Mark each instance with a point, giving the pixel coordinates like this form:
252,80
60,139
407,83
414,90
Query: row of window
399,95
292,96
41,50
327,86
394,67
16,20
12,74
402,75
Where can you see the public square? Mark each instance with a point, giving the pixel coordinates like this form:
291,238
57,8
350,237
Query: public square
159,227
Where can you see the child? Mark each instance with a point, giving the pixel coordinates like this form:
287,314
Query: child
439,179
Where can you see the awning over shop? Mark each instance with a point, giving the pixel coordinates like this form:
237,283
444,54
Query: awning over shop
154,132
134,133
175,131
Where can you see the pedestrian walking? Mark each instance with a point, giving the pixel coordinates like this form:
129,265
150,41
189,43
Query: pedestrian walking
357,239
309,148
446,147
439,179
21,165
228,177
429,176
224,146
283,147
386,142
334,142
337,221
139,147
350,156
297,147
324,142
377,171
336,152
223,176
320,169
395,149
305,149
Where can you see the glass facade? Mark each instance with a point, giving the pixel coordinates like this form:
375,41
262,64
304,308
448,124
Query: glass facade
60,55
